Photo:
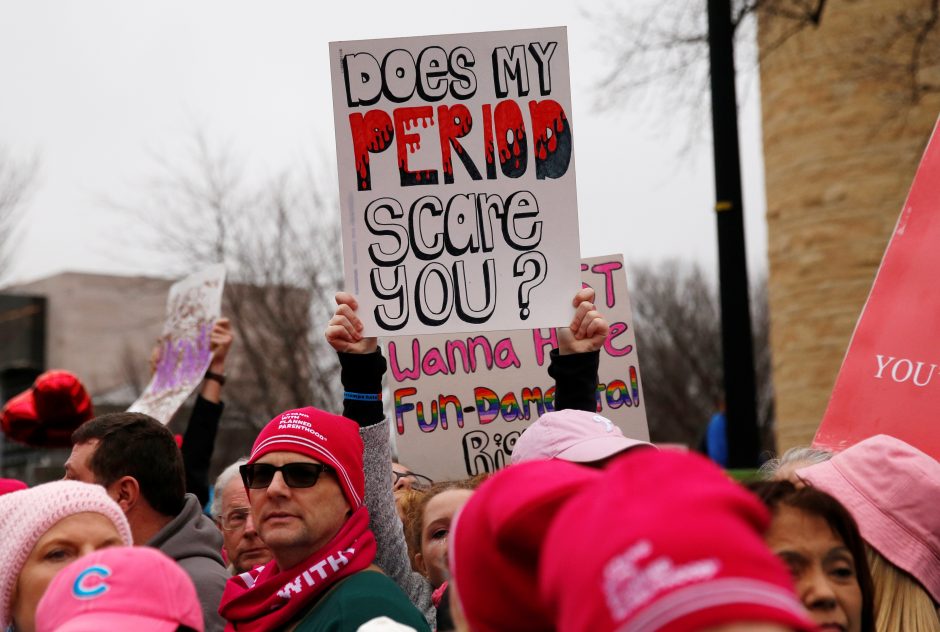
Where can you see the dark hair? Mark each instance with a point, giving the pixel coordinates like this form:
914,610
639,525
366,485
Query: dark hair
818,503
137,445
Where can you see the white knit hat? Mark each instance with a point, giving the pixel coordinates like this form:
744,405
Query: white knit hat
26,515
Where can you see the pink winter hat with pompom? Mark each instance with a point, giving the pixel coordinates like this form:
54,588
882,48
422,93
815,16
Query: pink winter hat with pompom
26,515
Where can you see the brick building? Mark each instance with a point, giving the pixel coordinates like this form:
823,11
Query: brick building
844,126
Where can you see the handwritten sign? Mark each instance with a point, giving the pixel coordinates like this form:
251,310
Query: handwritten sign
889,382
193,306
460,403
457,183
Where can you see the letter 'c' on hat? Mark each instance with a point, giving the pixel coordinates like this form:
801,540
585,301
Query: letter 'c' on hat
120,588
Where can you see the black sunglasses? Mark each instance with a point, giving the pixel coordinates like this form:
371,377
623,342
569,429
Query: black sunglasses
418,481
260,475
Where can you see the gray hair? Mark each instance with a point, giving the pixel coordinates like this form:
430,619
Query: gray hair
807,456
221,482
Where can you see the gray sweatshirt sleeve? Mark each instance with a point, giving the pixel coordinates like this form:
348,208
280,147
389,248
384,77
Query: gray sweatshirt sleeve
392,555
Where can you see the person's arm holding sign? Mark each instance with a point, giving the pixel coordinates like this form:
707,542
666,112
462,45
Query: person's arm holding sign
575,363
199,439
362,366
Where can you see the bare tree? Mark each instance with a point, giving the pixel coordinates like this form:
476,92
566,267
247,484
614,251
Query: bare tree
16,180
678,328
279,240
661,51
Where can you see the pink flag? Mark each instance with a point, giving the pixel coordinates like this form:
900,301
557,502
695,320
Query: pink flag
889,382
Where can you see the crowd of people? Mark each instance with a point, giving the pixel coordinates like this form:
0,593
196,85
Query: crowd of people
316,528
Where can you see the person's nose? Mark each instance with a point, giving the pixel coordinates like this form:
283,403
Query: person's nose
249,525
816,591
278,486
400,483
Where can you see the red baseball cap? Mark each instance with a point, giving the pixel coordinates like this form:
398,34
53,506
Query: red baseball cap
120,588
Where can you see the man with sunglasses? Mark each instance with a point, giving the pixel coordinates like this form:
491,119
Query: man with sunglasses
306,489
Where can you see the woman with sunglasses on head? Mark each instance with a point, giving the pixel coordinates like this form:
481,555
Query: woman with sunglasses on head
407,486
819,541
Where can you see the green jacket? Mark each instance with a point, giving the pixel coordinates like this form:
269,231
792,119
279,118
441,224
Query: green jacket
360,598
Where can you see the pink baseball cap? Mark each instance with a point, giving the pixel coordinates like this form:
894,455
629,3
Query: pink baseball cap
892,490
572,435
120,588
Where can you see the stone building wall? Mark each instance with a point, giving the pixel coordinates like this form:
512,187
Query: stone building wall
842,141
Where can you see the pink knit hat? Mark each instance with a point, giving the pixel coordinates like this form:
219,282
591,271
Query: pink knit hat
125,588
664,542
26,515
892,489
572,435
496,543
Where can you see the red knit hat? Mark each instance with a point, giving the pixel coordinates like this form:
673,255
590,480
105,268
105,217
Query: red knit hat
665,542
47,413
10,485
496,540
328,438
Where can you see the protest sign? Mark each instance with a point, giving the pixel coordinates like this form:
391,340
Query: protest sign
457,181
888,382
460,403
193,306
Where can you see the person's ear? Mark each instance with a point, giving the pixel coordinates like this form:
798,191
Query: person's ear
126,492
420,565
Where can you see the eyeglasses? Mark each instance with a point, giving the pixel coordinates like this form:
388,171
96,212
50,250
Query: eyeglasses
418,481
260,475
236,519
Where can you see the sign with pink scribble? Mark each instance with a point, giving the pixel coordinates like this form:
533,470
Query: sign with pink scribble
459,402
193,306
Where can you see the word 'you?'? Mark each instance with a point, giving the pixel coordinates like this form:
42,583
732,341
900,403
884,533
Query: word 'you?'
450,199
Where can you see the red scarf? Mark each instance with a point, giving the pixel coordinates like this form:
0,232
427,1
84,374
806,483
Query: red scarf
268,598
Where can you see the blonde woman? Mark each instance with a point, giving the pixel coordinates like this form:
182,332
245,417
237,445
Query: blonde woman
892,489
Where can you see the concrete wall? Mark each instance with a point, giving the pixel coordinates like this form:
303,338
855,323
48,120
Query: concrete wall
101,327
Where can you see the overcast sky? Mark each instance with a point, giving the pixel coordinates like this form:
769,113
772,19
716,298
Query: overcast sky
96,88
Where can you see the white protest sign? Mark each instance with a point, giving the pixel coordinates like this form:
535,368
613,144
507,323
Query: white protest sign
457,180
193,306
460,403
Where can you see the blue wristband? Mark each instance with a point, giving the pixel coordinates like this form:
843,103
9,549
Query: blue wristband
363,397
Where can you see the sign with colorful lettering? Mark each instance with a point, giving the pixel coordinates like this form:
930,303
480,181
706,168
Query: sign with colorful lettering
889,381
460,402
457,184
193,306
